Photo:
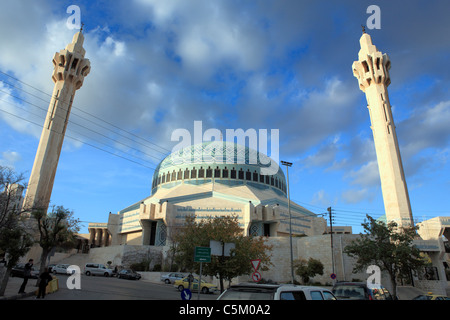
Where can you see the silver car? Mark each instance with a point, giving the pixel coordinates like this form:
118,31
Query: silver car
97,269
172,277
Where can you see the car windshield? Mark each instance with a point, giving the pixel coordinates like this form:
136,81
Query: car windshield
246,294
349,292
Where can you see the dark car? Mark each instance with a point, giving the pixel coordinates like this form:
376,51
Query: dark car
360,291
17,271
129,274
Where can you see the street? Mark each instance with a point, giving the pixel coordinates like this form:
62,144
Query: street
112,288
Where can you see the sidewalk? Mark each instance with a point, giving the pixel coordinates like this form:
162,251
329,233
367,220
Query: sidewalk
12,289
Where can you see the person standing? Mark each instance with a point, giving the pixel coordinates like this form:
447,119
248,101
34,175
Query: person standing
44,279
26,275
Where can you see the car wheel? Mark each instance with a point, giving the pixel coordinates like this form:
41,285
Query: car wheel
180,287
167,281
205,290
106,274
88,273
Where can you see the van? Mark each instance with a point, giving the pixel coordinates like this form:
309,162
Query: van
97,269
250,291
360,291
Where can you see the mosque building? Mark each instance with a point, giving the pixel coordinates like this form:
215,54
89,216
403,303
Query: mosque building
200,181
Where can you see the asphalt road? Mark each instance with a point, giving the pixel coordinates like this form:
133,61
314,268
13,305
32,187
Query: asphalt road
111,288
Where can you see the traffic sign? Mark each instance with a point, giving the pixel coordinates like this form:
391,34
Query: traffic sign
186,294
202,254
256,276
333,276
255,264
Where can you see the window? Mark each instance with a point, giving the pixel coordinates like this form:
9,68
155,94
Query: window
248,175
328,296
168,177
194,173
233,173
241,174
201,172
163,178
225,173
261,178
217,173
179,175
209,172
293,295
173,175
186,174
316,295
255,176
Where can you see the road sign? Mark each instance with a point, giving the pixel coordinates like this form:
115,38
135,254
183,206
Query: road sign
202,254
255,264
333,276
186,294
256,276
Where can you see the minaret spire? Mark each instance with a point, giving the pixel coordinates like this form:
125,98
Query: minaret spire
372,72
70,69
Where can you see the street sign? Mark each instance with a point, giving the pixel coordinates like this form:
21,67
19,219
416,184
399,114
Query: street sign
333,276
255,264
202,254
256,276
186,294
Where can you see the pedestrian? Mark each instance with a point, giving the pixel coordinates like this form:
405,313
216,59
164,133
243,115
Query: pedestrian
26,275
44,279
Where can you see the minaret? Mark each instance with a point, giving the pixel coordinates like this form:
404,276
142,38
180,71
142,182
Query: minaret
70,68
372,72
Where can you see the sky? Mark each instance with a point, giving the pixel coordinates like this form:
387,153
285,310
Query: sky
158,66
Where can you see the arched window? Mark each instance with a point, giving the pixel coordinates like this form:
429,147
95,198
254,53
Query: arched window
201,172
241,174
217,173
233,174
255,176
225,173
163,178
209,172
194,173
248,175
186,174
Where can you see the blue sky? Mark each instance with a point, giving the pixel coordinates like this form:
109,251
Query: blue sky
161,65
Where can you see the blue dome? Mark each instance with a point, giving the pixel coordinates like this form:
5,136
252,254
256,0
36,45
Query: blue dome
219,160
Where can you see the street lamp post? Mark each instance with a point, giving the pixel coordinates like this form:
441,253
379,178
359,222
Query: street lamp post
289,164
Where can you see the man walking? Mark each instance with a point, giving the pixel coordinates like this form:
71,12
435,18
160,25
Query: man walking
26,275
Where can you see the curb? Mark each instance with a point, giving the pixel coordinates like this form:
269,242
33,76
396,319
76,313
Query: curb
18,296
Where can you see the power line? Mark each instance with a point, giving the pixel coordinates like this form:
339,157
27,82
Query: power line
87,113
83,142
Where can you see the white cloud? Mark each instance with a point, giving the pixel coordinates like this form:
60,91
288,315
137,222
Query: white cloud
357,195
9,158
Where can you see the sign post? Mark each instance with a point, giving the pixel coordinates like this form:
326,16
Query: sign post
201,254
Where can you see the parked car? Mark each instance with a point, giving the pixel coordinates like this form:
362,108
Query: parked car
17,271
431,297
62,269
205,287
50,267
360,291
253,291
97,269
128,274
172,277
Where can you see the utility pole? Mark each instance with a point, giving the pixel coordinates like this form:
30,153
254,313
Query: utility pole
288,164
331,234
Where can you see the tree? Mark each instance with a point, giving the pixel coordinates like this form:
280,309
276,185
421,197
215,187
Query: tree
14,239
54,229
387,247
308,269
226,230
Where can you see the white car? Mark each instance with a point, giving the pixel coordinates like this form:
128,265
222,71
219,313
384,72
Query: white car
62,269
252,291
